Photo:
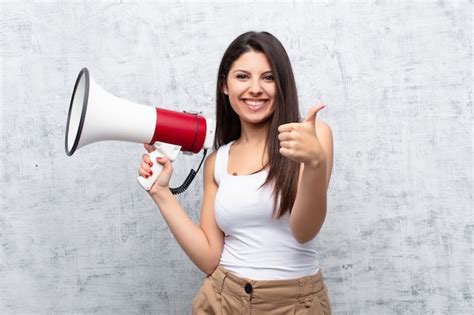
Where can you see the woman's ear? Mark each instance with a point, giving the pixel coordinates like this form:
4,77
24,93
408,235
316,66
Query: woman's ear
224,89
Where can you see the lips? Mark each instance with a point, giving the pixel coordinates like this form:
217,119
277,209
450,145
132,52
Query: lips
254,104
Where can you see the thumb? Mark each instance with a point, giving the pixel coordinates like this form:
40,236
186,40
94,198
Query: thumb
166,162
313,111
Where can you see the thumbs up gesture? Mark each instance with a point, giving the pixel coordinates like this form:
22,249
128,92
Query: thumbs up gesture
299,141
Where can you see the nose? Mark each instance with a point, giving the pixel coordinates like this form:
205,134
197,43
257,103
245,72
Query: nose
255,87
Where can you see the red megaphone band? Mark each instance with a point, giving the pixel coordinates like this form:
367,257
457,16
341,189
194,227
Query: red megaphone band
186,130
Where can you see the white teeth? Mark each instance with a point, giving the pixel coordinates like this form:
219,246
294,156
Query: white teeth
254,103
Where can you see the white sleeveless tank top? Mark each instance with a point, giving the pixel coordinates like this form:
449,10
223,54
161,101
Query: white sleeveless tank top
256,245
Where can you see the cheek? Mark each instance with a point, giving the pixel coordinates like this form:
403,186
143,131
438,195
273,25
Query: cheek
233,100
235,93
271,90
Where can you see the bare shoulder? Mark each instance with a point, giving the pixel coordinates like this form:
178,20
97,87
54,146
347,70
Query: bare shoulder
209,164
323,129
211,159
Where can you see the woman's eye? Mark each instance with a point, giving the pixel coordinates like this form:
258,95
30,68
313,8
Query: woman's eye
269,78
242,76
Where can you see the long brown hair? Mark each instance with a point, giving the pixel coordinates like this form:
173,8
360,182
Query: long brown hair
283,172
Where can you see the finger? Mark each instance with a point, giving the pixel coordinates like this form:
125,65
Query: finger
143,172
147,160
311,117
163,160
286,144
291,154
146,166
285,136
287,127
286,152
167,167
149,147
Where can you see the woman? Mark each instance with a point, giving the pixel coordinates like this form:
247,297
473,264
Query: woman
264,190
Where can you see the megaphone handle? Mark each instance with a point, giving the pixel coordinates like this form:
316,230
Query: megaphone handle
161,150
156,169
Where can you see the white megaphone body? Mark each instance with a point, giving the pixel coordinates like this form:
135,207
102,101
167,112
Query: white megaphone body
96,115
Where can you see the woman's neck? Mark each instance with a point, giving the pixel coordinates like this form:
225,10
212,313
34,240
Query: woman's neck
254,134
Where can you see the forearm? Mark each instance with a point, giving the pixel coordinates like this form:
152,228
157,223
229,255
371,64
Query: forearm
309,210
189,235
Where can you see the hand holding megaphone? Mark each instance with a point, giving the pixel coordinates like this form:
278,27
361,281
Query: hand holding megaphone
149,173
96,115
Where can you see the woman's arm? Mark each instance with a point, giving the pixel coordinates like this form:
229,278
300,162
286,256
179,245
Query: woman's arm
309,209
310,143
202,243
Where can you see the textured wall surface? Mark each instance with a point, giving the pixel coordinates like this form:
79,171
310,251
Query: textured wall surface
78,235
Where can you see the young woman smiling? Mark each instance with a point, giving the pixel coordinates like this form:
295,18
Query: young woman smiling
265,190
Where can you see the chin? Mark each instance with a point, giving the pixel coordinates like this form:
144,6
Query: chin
258,120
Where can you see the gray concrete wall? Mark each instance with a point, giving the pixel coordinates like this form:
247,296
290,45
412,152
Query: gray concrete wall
78,235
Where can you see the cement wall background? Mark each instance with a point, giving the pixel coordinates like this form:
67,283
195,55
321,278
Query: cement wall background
78,234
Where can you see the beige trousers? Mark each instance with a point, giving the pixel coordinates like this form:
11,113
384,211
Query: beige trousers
224,293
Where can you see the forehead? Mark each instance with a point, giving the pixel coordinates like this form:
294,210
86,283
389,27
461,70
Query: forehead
252,61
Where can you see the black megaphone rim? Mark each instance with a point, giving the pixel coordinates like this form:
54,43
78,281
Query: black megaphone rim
85,72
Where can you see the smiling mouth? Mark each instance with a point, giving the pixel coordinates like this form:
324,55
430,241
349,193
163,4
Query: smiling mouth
255,103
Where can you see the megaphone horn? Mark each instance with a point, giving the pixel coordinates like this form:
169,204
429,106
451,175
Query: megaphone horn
96,115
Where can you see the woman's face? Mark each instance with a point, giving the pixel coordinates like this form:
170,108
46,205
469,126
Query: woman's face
251,88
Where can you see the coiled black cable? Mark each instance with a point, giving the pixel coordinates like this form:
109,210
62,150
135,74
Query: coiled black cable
189,179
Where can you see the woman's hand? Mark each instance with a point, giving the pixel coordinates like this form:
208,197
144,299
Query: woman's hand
299,141
162,182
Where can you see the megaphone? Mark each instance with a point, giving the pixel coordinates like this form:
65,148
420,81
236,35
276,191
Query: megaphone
96,115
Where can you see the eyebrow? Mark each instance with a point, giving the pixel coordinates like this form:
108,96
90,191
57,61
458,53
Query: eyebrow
239,70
